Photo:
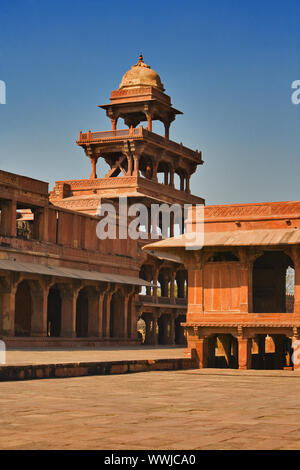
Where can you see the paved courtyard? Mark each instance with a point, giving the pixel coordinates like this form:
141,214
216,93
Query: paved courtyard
119,353
195,409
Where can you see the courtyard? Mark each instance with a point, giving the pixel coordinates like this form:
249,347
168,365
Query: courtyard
194,409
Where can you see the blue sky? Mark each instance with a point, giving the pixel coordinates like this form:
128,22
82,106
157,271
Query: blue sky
228,65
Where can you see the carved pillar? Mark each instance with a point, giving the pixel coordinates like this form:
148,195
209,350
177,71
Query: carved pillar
114,123
244,352
136,159
187,189
94,166
167,129
149,118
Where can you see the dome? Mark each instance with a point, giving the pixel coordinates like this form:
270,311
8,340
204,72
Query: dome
141,75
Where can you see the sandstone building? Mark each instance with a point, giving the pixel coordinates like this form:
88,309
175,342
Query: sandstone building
60,284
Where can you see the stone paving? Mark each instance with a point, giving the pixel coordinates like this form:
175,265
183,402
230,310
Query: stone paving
194,409
54,356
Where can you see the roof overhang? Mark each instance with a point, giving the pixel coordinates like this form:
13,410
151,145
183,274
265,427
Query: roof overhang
70,273
266,237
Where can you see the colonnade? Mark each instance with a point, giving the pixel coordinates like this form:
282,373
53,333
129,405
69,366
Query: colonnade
67,309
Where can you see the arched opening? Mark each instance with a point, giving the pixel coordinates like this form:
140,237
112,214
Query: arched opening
164,282
181,284
117,315
180,179
271,352
23,310
163,169
223,350
54,312
270,283
146,167
82,314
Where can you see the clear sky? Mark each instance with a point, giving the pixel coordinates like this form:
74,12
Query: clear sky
227,64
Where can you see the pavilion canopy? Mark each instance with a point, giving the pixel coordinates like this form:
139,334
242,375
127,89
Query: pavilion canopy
288,236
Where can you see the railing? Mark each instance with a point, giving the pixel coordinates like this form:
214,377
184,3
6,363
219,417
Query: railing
138,132
98,136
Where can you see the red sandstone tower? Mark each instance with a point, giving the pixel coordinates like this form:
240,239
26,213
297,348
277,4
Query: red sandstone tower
144,167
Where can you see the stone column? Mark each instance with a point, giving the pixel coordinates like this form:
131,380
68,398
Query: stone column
148,339
244,289
244,353
202,352
172,290
114,123
95,313
167,129
68,311
187,189
7,313
40,224
94,165
107,313
154,170
279,352
155,281
126,302
135,165
133,317
172,330
8,218
172,171
154,330
39,300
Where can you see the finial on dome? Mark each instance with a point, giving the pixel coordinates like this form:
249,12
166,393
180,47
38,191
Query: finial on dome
141,58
